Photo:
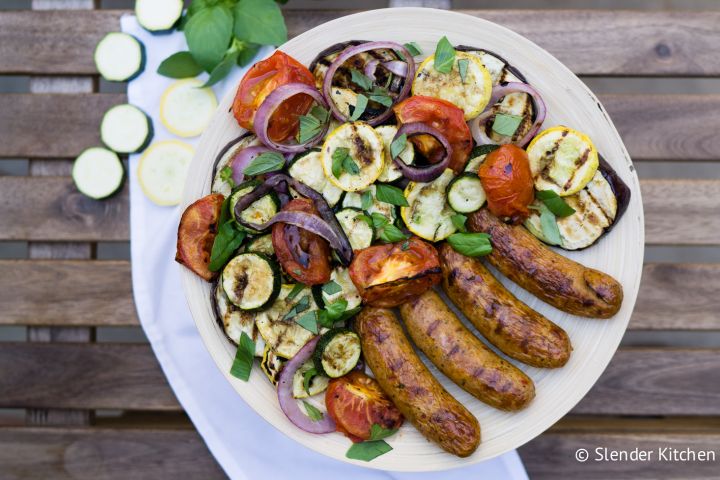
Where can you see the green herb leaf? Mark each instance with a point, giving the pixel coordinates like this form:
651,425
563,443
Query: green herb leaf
264,163
226,175
350,166
298,308
505,124
242,365
390,194
338,156
247,52
312,412
307,378
223,69
391,234
550,230
348,314
367,451
208,34
405,245
297,288
462,68
381,96
481,150
259,21
459,221
336,309
413,48
309,321
360,79
555,203
331,288
366,200
179,65
398,145
379,220
227,240
310,128
471,244
444,56
378,432
360,106
320,113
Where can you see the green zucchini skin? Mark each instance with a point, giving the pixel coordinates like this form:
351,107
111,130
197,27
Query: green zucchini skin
326,341
276,275
455,184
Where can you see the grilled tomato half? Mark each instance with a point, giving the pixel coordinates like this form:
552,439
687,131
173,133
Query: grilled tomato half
508,183
196,234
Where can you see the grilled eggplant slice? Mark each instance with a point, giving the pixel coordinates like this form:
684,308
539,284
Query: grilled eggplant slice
235,321
220,182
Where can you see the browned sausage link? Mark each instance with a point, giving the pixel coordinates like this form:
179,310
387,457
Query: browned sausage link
516,329
460,355
559,281
411,386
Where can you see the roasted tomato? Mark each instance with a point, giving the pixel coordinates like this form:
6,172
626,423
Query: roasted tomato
196,234
356,403
508,183
264,77
302,254
444,116
387,275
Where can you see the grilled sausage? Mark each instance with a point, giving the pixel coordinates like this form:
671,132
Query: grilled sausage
559,281
516,329
462,357
411,386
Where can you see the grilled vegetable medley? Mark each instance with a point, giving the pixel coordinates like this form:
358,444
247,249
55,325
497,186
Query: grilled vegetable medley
333,204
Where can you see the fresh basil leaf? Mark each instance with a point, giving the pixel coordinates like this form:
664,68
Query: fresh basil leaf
259,21
391,234
350,166
481,150
444,56
308,321
320,113
398,145
405,245
379,220
299,287
367,451
550,230
505,124
227,240
413,48
331,288
310,128
348,314
247,53
226,175
378,432
390,194
360,106
335,309
338,157
224,212
179,65
264,163
302,305
360,79
208,34
242,365
307,378
462,68
555,203
471,244
223,69
312,412
365,218
366,200
459,221
381,96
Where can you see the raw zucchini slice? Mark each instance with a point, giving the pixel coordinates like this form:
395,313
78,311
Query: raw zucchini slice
262,244
222,183
126,129
390,171
271,365
358,231
251,281
318,383
471,95
235,321
162,171
355,200
365,149
119,57
337,352
277,324
465,193
186,109
429,214
596,208
308,169
158,16
98,173
562,160
260,211
340,277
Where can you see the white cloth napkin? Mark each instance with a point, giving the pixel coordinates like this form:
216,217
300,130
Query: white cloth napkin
244,444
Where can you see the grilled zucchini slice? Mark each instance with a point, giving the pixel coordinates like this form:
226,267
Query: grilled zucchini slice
271,365
277,324
358,231
235,321
260,211
308,169
251,281
465,193
221,183
355,200
390,171
337,352
365,149
429,215
318,383
341,277
262,244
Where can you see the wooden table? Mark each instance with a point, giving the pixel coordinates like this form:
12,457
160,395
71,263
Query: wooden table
104,410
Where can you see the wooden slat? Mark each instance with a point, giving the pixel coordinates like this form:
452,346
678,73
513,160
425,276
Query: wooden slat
653,127
125,376
51,209
590,42
79,293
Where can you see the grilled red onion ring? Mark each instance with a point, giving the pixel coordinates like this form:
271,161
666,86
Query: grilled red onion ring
350,52
477,124
243,158
396,67
272,102
423,173
289,405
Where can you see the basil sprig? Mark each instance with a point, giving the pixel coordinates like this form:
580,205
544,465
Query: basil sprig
390,194
312,412
549,226
266,162
444,56
228,239
242,365
373,447
555,203
343,162
387,232
471,244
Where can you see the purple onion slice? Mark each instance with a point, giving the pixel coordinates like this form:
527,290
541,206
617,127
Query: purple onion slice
423,173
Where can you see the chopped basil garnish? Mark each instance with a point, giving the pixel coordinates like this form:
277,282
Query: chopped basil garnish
335,309
550,230
471,244
381,96
391,234
331,288
390,194
308,321
360,106
227,241
398,145
379,220
372,448
226,175
459,221
264,163
366,200
555,203
243,358
377,432
307,378
312,412
360,79
413,48
462,68
343,162
311,125
299,287
298,308
405,245
444,56
505,124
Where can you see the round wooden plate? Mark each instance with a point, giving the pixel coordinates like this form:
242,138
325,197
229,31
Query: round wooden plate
620,253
